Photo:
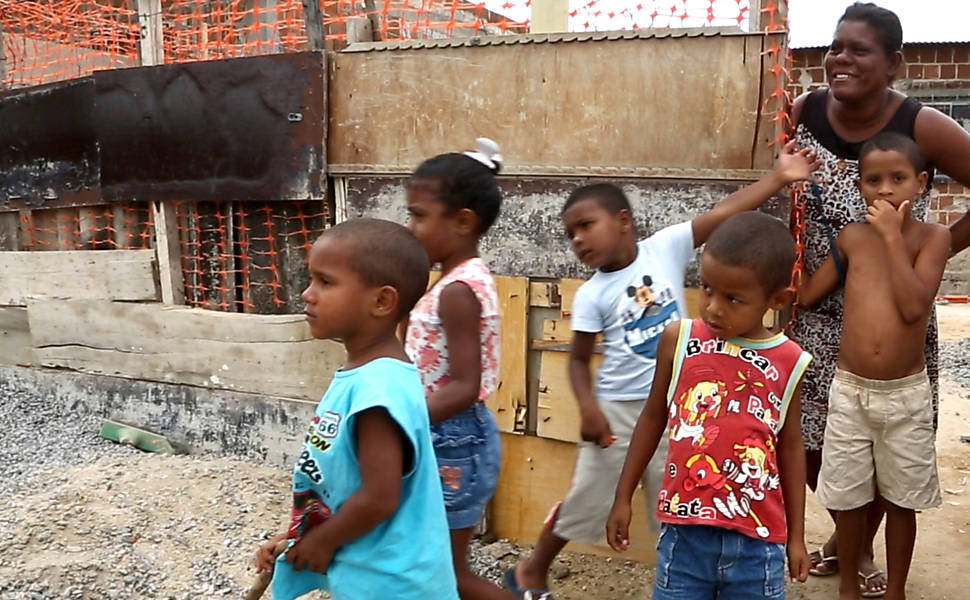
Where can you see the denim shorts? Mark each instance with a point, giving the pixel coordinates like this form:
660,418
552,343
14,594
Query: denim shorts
468,450
696,562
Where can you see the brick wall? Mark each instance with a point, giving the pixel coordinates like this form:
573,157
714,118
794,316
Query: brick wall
939,76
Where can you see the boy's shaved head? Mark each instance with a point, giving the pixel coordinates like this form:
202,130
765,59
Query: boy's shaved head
758,242
609,197
385,253
889,140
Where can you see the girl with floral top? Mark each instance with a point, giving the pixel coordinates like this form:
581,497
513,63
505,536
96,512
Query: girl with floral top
453,338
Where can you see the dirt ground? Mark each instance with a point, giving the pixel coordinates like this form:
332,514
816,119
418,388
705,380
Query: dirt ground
186,527
941,563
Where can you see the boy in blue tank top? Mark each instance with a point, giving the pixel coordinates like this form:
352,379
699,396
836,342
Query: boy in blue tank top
368,518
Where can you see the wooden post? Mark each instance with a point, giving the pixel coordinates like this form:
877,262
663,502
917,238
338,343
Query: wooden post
168,253
370,8
267,36
9,221
151,43
549,16
3,62
166,226
359,29
339,214
9,230
314,24
754,16
761,21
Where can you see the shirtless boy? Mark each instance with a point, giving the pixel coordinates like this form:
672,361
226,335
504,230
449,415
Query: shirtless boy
879,436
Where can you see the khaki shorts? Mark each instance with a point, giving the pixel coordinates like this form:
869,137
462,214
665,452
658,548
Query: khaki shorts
879,436
581,517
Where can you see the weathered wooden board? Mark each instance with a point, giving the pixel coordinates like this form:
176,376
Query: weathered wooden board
558,414
568,89
544,294
556,330
513,297
107,274
273,355
568,286
9,231
15,343
535,476
693,298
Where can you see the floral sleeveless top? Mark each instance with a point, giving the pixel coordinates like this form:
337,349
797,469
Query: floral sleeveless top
426,343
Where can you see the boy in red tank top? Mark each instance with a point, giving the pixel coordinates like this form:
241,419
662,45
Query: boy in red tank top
733,494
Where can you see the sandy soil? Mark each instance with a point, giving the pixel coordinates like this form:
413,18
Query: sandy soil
186,527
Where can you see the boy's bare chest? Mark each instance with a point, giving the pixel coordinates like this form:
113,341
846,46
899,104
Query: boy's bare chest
870,266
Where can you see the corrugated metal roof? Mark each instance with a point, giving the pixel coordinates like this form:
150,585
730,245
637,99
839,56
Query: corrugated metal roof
545,38
813,22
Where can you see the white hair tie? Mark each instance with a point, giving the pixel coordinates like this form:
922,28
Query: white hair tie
487,152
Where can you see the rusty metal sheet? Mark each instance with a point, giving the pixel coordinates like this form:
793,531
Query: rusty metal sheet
48,145
240,129
249,129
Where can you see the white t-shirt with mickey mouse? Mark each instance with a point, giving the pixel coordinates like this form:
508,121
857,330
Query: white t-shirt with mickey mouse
631,307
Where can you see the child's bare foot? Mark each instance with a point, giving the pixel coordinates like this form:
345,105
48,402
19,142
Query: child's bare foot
872,581
528,579
824,561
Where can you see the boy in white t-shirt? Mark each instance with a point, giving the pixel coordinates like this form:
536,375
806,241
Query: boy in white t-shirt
637,289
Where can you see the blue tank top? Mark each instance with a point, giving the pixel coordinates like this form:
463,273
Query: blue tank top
407,557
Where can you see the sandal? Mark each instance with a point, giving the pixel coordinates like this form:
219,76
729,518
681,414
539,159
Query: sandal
508,580
823,566
865,585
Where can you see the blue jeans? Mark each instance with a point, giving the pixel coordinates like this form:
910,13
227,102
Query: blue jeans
696,562
468,450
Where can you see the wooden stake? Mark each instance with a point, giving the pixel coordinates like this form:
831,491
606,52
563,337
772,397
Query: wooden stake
167,253
754,16
151,43
3,62
314,24
359,29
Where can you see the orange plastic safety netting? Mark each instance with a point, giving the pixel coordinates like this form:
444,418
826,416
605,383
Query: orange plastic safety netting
51,40
115,227
251,257
245,256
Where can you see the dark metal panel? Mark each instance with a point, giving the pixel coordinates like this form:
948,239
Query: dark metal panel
48,147
240,129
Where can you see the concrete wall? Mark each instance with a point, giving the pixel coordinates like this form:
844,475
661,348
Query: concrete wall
938,75
529,240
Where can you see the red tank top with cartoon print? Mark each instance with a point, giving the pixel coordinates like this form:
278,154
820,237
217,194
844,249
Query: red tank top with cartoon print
727,402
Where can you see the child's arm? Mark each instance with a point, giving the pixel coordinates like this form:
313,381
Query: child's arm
594,426
791,464
381,448
790,167
460,313
266,555
646,435
914,285
826,278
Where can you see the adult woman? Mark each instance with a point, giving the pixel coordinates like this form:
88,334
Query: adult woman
860,65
